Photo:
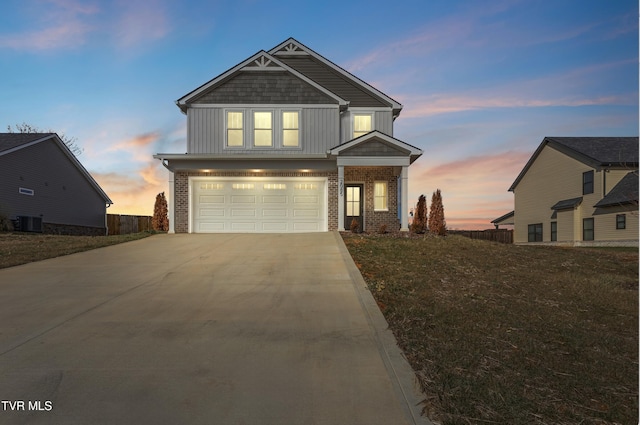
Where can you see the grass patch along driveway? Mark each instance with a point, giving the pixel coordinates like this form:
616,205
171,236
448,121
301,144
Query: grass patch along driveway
21,248
510,334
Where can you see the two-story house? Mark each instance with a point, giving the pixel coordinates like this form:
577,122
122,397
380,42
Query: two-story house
287,141
578,191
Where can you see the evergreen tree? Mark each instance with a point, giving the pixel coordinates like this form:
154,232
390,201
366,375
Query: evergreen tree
160,220
437,223
419,224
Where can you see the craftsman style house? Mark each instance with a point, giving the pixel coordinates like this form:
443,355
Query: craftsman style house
578,191
287,141
44,188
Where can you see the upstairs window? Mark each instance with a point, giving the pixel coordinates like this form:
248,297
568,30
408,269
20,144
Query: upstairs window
587,182
262,129
235,132
361,125
380,196
290,129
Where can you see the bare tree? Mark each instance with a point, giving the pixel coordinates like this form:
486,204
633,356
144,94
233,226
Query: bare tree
71,142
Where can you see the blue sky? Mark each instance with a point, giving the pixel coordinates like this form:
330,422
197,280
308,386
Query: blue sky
482,82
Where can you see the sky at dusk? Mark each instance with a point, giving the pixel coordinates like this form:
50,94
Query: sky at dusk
482,82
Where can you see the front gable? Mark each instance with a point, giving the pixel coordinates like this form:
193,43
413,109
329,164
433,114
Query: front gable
375,145
260,79
336,79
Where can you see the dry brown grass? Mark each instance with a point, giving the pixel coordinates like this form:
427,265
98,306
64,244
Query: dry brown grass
511,334
21,248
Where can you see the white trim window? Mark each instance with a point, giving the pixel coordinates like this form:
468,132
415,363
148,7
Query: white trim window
263,128
291,129
362,124
235,131
380,196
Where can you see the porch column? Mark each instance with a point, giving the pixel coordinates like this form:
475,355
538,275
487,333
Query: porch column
404,203
341,198
172,203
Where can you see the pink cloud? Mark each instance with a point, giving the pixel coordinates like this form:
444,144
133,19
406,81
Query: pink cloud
62,26
134,193
474,189
140,22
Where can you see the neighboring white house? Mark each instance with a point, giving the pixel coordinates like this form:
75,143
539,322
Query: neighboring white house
287,141
578,191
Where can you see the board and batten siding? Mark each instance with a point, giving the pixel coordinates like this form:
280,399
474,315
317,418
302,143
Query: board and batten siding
61,193
318,130
382,121
553,177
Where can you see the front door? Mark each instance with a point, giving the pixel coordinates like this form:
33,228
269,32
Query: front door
353,207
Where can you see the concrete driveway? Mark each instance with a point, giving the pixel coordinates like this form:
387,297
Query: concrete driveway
200,329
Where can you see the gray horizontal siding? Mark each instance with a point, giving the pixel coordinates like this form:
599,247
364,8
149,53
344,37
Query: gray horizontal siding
62,194
206,131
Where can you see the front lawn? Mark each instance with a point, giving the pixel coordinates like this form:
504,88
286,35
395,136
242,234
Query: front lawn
505,334
20,248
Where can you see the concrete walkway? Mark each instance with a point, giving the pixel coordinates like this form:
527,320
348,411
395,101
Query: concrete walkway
200,329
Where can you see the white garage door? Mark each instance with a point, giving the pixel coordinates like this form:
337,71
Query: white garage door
257,205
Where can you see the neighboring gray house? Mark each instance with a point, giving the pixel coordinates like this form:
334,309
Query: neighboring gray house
287,141
44,188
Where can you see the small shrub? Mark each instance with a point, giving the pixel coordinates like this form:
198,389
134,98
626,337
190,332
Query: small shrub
382,229
355,226
6,225
419,224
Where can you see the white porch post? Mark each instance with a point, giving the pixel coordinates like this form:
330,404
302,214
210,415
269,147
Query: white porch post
341,198
172,203
404,206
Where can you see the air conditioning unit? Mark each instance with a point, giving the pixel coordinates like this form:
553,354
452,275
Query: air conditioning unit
29,224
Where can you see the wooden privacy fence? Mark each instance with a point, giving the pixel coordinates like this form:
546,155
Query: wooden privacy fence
125,224
496,235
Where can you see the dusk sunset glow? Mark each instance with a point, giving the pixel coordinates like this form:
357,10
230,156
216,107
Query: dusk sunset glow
481,83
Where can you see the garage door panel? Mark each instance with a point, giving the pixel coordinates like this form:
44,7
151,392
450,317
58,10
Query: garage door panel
243,199
274,227
314,200
211,199
258,204
243,226
306,213
275,199
242,213
211,212
281,213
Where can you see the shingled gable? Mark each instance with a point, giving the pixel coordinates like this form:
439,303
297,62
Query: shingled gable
332,76
596,152
278,82
376,143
